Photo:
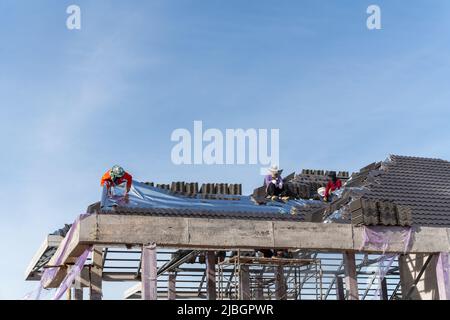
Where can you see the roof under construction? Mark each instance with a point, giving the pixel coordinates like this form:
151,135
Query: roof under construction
400,192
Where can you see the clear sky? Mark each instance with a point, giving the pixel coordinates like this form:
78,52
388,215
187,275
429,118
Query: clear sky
73,103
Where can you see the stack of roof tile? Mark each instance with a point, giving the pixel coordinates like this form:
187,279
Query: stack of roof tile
192,188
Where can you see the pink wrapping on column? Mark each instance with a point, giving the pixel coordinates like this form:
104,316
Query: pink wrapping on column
381,238
74,272
50,273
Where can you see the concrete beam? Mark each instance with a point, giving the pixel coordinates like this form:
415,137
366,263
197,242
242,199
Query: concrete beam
232,234
224,234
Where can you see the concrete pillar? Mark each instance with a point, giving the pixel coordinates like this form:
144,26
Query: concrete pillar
96,274
211,275
410,266
280,284
244,283
149,272
351,281
171,286
443,276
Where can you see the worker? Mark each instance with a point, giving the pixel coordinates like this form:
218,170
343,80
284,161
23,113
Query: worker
116,176
274,184
333,184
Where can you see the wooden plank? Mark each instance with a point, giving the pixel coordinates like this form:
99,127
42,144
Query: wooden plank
149,272
340,293
244,283
211,275
96,276
351,281
443,276
50,241
171,286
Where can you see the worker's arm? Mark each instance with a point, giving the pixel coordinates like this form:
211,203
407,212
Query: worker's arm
328,189
129,179
106,178
280,182
268,180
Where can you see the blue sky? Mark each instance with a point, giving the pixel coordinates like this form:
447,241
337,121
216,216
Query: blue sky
73,103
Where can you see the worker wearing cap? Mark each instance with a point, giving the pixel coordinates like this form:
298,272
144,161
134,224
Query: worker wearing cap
116,176
333,184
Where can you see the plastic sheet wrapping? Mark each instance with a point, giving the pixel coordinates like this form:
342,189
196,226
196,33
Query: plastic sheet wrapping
336,216
50,273
381,238
74,272
144,196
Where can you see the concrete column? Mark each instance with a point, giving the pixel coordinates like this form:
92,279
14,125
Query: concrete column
171,286
410,266
149,272
211,275
443,276
244,283
280,284
96,274
351,281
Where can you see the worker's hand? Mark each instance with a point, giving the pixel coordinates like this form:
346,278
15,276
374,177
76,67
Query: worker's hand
325,199
126,198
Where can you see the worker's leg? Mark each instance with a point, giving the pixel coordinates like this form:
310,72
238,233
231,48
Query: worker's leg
271,189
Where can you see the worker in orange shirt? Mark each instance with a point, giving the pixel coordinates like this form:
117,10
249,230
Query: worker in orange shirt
116,176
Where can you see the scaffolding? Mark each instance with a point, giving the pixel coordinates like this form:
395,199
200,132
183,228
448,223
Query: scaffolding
257,278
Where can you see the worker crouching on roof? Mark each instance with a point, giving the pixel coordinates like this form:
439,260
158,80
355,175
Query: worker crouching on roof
116,176
275,187
333,184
